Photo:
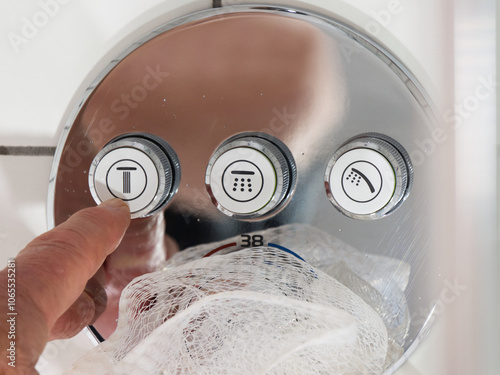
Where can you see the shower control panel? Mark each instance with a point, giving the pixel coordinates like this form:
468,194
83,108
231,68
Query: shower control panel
265,146
142,170
252,175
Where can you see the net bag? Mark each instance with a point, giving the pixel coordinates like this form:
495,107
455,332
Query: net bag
380,281
260,310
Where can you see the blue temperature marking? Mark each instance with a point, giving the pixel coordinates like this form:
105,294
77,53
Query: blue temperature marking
292,253
285,250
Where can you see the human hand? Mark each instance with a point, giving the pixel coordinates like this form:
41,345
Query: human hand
51,273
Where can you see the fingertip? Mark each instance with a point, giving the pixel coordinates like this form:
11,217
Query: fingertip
119,209
115,204
102,227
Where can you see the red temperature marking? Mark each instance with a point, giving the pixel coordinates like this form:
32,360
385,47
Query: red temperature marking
220,248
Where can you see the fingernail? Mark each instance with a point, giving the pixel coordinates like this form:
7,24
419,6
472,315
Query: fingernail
114,203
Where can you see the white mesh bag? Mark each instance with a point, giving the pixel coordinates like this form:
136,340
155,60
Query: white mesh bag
254,311
380,281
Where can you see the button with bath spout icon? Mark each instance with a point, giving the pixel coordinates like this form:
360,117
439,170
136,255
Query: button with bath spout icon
140,169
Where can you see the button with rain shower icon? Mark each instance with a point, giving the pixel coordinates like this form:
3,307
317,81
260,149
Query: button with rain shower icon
242,181
250,175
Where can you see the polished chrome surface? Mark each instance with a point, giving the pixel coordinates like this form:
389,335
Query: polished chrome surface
311,82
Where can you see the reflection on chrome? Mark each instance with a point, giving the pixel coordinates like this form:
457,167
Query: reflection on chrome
197,82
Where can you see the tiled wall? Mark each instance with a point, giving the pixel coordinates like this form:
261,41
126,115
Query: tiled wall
44,70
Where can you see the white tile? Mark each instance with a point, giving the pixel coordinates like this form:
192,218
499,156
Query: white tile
429,356
45,69
24,183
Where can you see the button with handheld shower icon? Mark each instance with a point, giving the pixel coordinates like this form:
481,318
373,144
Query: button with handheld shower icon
368,177
362,181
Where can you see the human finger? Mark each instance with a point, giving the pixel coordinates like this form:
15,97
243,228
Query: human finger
56,265
84,311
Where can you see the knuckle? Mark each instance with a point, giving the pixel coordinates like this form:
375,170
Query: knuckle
65,238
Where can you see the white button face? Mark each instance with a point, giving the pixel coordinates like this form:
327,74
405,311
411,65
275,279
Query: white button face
126,179
362,181
243,180
128,174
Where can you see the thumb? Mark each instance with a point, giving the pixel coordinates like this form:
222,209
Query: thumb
51,273
56,265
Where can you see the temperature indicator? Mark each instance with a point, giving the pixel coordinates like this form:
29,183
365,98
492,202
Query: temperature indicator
249,241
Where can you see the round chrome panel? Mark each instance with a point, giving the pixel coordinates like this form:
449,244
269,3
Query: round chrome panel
312,83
